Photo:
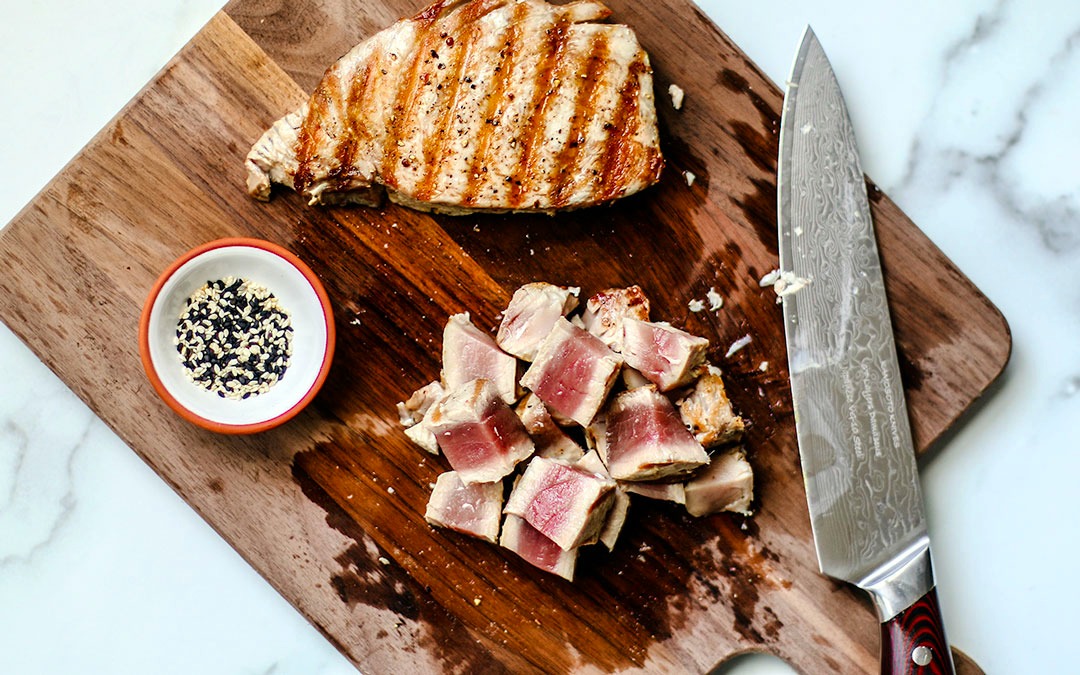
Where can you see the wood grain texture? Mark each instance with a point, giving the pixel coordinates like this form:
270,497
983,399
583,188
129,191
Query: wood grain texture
308,504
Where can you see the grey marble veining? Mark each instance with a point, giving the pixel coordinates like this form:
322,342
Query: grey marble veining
37,459
989,153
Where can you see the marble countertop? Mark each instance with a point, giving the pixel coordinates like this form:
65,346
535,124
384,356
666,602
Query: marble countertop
966,115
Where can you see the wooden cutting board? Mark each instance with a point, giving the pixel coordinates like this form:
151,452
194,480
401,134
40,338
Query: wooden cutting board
329,508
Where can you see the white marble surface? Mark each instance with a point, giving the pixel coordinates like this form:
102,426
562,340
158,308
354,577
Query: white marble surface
967,116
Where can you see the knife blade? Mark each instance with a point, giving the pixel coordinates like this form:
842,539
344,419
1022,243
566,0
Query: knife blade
858,461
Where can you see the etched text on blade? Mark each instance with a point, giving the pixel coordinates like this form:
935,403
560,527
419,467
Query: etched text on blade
854,436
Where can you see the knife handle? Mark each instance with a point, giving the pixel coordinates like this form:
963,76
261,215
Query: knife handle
914,641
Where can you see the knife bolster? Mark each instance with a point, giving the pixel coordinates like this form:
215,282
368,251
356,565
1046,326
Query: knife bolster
900,582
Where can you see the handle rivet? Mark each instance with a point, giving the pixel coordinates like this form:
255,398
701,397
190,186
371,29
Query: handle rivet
922,655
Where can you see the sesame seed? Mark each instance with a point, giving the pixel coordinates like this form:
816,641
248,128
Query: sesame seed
234,338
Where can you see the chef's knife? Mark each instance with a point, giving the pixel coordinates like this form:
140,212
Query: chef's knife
858,461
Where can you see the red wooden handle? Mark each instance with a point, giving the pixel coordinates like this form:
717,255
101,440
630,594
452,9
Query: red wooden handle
914,641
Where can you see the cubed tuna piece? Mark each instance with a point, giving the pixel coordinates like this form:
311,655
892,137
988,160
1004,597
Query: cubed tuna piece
479,434
620,505
573,372
666,356
592,463
707,411
469,354
421,434
726,485
536,549
604,313
632,378
567,504
470,508
596,437
532,313
646,440
664,492
414,412
410,412
548,437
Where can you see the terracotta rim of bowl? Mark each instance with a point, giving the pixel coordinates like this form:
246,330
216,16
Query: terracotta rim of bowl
144,336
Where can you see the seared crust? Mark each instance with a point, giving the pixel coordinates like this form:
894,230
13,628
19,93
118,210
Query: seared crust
475,105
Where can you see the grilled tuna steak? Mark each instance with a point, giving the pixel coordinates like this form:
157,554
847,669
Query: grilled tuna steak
606,311
620,504
550,440
663,354
475,105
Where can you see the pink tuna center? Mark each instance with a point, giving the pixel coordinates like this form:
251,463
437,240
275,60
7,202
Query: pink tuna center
475,445
550,509
665,350
479,360
642,426
464,509
538,549
564,384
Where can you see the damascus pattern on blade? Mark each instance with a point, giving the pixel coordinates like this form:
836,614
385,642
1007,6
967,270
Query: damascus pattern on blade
853,430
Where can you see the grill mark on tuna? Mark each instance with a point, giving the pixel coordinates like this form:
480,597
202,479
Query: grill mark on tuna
565,169
405,104
348,145
496,96
455,89
323,101
522,180
620,146
447,99
429,39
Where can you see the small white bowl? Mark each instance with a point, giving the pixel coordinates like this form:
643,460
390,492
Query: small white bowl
299,292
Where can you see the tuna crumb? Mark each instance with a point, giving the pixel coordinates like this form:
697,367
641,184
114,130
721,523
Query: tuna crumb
677,94
696,305
738,344
715,301
784,283
383,561
477,600
690,177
